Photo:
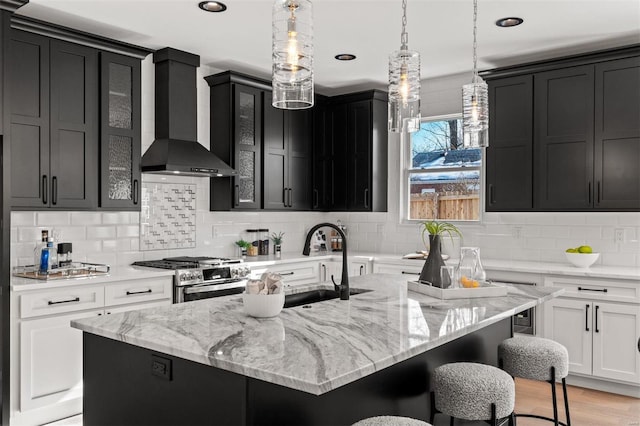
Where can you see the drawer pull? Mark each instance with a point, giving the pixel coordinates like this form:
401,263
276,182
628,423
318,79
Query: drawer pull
50,302
410,273
604,290
287,273
129,293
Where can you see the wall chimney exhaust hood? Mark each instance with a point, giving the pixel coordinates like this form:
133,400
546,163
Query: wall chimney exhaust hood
175,151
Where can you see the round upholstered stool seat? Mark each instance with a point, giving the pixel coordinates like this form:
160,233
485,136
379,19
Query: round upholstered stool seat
468,390
390,421
532,358
535,358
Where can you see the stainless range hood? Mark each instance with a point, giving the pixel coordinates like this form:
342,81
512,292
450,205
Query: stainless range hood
175,151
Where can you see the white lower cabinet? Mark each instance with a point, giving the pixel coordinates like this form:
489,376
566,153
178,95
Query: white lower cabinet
359,267
601,336
46,373
50,361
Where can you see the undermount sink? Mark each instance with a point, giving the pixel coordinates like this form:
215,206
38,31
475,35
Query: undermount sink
313,296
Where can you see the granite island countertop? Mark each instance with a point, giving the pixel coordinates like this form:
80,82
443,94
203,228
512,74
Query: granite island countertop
314,349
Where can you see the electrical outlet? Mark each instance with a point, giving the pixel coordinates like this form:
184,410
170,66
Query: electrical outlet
161,367
618,235
517,232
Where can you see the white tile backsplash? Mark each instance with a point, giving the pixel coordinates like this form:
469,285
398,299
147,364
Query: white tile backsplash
95,239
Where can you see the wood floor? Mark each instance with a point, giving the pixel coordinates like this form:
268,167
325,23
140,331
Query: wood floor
587,407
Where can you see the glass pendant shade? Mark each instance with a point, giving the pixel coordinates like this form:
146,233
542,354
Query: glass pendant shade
292,47
475,114
404,91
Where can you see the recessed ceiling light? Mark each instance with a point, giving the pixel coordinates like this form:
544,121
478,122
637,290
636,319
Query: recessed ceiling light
509,22
345,56
212,6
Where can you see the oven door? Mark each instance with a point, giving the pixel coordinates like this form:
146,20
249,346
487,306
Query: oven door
210,290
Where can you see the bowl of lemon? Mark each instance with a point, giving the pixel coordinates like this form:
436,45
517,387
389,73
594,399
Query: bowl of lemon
581,257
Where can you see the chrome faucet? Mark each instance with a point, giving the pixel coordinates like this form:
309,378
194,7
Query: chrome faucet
343,287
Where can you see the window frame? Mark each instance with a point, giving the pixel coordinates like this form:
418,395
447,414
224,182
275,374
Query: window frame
406,171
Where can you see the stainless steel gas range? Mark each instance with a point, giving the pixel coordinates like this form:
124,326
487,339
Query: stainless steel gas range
203,277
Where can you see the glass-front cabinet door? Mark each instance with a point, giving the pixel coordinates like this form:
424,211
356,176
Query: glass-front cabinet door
248,141
119,132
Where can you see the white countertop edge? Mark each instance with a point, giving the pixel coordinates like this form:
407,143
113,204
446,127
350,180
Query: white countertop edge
121,273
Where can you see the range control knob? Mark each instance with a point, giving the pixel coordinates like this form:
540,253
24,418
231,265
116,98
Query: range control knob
183,277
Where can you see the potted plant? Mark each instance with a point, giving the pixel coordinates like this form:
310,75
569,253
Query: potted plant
431,269
277,242
244,246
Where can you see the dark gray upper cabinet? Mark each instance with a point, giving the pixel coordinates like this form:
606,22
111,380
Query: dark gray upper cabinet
563,138
509,157
287,159
584,123
352,157
53,123
323,155
119,132
617,134
236,138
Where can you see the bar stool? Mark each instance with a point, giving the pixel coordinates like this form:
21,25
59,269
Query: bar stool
471,391
540,359
390,421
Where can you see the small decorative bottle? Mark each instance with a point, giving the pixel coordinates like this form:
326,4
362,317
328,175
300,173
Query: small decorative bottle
48,257
37,251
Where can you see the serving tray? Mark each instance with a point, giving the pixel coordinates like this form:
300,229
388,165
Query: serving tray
486,289
73,270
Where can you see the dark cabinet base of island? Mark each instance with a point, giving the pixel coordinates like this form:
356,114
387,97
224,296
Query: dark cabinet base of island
129,385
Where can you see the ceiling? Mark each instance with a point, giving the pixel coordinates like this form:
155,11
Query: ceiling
441,30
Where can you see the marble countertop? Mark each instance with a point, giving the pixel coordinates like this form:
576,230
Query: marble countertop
314,349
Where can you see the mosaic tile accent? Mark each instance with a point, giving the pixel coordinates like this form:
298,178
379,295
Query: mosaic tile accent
168,216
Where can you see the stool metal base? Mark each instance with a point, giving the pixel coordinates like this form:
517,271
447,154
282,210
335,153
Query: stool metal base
555,419
509,420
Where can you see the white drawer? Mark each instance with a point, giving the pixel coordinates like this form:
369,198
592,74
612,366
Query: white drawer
61,301
412,272
138,291
587,288
127,308
298,273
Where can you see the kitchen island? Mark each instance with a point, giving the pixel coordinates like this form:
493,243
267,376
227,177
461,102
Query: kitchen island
328,363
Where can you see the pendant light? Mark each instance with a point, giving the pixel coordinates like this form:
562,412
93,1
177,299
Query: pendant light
475,101
292,70
404,84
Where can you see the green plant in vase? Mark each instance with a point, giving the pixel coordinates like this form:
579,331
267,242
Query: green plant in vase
244,246
277,242
432,266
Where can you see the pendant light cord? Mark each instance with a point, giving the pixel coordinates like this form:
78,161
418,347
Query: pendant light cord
404,37
475,44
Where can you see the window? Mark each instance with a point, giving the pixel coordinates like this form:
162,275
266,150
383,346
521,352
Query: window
443,178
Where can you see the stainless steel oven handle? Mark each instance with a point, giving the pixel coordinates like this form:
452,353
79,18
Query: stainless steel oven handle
203,288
